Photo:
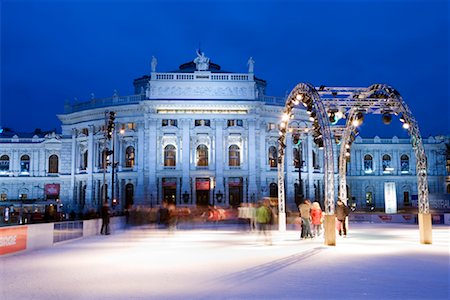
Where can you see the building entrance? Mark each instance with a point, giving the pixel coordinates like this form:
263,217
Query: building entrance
235,191
202,186
169,190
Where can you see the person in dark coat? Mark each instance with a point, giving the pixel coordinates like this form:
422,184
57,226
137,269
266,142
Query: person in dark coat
341,214
106,212
163,215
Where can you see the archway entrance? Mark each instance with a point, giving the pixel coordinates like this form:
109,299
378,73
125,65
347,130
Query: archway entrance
324,105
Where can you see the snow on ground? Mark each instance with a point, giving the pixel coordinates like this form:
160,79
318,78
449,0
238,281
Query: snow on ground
375,261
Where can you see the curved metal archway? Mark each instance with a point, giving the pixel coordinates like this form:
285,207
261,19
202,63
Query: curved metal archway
376,99
306,93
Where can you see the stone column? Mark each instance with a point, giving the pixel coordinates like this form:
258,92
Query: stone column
185,156
139,166
90,181
263,160
153,152
73,167
252,186
220,156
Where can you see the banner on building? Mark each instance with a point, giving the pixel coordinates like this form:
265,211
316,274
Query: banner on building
390,198
202,184
52,189
13,239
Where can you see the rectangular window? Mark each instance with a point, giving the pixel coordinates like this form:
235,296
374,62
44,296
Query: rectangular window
3,197
169,122
271,126
23,196
202,122
238,122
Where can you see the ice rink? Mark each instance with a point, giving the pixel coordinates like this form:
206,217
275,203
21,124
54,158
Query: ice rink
375,261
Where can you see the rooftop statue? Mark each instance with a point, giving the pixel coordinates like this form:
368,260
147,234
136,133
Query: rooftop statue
251,64
154,63
201,61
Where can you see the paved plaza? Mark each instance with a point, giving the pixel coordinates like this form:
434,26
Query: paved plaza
376,261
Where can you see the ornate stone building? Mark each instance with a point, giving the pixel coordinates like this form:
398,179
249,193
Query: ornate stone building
195,136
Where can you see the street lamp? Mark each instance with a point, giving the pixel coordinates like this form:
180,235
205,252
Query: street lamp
219,197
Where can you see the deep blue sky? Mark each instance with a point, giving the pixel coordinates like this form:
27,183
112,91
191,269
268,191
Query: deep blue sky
57,50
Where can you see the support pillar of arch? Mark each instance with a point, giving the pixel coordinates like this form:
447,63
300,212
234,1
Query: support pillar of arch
425,228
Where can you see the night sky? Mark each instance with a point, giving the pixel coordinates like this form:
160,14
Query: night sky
53,51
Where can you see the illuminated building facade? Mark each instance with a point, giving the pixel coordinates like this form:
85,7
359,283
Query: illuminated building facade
196,136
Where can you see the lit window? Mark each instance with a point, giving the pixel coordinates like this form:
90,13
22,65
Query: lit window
3,197
25,164
170,155
84,160
202,156
238,122
386,163
271,126
169,122
272,157
404,163
129,157
4,163
234,156
368,164
202,122
53,164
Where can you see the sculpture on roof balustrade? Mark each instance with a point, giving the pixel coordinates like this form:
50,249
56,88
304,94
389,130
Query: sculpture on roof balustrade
201,61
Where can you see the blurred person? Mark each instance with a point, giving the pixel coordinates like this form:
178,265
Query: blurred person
316,219
173,216
163,215
341,213
263,218
106,213
252,216
305,215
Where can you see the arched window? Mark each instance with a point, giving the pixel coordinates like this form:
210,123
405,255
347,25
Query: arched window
53,164
404,163
129,157
234,156
170,155
368,163
315,160
25,164
105,159
129,195
386,163
4,163
272,157
273,190
296,155
84,160
202,156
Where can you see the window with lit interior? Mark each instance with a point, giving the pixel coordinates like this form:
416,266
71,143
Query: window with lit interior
368,164
170,154
234,157
53,164
129,157
202,156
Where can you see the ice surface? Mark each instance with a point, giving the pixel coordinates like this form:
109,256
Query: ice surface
376,261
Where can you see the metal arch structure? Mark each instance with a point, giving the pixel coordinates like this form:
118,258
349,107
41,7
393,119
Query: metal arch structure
376,99
380,99
306,93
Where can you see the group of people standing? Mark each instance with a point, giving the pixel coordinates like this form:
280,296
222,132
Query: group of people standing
311,216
